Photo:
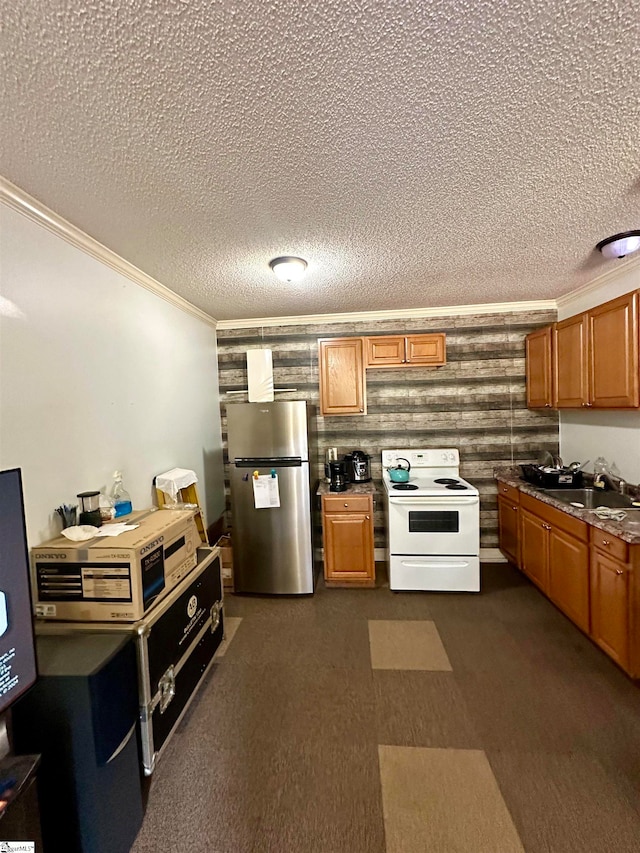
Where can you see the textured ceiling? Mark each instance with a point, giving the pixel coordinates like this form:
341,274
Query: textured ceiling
417,153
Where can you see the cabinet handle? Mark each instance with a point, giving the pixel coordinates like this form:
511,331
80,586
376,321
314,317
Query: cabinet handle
606,542
547,526
505,488
346,505
547,405
619,571
514,508
368,517
589,405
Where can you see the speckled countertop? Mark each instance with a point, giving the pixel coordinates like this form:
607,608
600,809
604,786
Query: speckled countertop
352,489
628,530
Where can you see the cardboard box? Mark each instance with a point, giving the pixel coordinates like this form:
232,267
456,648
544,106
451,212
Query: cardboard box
226,557
115,579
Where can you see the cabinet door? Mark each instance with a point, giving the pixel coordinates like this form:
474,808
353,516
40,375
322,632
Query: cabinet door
610,606
613,356
569,576
426,349
386,350
539,374
570,362
348,547
342,381
534,545
508,522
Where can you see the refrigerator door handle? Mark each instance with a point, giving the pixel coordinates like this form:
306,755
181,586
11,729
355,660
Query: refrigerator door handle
269,462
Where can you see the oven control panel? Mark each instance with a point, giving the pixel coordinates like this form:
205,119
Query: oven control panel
446,457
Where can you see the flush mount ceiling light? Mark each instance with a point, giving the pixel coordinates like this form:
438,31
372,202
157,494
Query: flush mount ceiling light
288,268
620,244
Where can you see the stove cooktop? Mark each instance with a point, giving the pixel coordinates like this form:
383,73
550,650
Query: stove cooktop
433,473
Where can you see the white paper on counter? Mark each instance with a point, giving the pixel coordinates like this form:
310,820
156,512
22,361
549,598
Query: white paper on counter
266,494
115,528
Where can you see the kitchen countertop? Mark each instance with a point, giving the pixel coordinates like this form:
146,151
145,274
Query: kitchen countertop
370,488
627,530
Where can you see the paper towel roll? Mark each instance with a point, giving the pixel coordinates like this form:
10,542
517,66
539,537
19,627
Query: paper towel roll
260,375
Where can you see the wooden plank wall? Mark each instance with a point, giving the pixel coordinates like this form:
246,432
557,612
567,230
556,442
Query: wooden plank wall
476,402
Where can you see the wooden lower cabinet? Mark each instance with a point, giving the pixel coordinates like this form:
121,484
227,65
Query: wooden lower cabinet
591,575
568,578
509,522
610,606
554,553
534,548
347,526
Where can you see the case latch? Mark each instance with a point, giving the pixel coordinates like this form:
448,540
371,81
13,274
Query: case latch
167,689
215,615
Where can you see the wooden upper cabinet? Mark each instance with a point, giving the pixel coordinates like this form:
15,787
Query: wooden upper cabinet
407,350
342,378
571,373
388,350
613,353
539,372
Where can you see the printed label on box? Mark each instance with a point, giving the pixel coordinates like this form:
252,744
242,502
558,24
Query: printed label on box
106,584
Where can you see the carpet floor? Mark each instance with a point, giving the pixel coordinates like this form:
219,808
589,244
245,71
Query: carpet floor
367,721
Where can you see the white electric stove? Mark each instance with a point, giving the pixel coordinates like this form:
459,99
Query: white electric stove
433,522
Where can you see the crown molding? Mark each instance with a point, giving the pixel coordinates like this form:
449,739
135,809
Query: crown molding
404,313
20,201
621,269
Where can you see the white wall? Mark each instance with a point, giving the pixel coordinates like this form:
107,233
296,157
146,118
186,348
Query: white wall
612,434
98,374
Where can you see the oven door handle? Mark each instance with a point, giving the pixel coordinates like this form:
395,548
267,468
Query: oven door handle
427,502
424,564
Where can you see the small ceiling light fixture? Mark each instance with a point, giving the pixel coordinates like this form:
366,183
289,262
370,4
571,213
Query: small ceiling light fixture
620,244
288,268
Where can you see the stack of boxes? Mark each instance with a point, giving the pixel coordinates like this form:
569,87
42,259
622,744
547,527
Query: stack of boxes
226,557
160,584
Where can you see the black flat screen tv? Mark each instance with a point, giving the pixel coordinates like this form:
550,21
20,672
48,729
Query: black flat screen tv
17,647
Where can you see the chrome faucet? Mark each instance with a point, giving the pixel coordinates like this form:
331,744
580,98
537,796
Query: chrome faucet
610,481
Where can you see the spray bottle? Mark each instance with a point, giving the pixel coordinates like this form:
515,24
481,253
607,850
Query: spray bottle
121,498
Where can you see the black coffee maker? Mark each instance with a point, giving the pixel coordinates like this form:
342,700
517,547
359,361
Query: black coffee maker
338,481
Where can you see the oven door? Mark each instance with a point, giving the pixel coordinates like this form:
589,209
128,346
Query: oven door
431,525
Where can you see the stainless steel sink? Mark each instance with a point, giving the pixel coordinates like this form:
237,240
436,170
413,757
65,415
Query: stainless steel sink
589,498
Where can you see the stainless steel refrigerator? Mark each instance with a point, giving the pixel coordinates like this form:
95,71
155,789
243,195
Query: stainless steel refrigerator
272,545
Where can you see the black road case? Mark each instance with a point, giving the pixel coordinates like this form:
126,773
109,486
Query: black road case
175,644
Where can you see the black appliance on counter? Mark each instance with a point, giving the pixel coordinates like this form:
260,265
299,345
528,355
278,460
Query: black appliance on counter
358,466
548,477
338,480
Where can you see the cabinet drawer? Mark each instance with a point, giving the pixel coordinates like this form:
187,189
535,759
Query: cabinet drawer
611,545
346,503
556,517
509,492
